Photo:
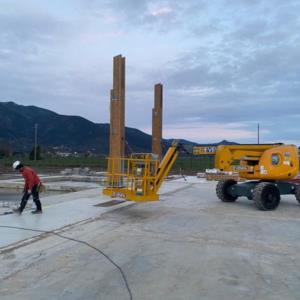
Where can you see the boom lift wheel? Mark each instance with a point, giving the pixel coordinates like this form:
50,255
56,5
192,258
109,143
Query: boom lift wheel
222,190
297,193
266,196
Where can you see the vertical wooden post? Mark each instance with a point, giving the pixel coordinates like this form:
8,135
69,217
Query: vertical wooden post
117,109
157,120
117,116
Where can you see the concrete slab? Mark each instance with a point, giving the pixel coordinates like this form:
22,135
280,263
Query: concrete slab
55,216
189,246
63,210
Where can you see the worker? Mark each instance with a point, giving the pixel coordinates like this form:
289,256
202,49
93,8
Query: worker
31,187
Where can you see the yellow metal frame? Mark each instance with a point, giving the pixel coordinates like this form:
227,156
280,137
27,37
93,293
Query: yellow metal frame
139,177
132,178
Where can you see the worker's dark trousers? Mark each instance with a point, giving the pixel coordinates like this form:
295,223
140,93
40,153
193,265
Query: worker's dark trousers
35,196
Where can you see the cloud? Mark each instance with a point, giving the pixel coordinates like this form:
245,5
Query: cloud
139,15
201,132
161,11
221,62
252,71
29,31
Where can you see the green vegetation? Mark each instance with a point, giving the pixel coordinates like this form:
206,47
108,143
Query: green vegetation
59,162
193,164
38,153
185,164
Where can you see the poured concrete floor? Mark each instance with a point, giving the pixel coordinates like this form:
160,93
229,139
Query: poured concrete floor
186,246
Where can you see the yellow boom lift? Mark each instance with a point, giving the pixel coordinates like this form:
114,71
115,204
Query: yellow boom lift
269,169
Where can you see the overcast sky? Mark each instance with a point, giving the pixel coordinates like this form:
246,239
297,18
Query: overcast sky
226,65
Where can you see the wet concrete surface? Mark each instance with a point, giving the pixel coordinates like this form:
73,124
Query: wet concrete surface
11,190
10,195
189,245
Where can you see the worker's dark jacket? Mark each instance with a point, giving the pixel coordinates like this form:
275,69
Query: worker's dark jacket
30,177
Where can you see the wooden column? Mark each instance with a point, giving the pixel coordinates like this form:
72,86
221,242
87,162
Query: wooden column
117,109
157,120
117,122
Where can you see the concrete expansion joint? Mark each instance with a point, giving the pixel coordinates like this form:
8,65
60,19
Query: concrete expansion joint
41,236
73,226
188,185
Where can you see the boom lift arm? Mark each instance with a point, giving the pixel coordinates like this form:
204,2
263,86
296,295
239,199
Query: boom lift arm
167,162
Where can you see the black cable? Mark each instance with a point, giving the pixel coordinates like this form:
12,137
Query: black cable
129,147
81,242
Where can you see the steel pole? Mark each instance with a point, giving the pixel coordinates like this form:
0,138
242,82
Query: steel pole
35,140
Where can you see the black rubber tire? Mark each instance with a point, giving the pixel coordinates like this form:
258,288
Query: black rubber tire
297,193
266,196
222,190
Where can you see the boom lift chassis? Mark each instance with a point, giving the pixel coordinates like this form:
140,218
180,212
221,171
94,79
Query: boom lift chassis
265,194
270,169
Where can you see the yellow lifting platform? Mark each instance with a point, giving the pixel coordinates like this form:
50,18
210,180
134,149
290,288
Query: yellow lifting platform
139,177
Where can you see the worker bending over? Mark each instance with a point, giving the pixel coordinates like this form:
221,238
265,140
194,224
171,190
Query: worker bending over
31,187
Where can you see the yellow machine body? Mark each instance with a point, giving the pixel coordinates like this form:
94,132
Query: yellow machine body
262,162
139,177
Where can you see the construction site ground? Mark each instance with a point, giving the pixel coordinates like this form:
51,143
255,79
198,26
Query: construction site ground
188,245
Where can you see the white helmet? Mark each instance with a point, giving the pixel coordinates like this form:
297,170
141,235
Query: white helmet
16,164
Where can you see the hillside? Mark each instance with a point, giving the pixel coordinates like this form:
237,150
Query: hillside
69,132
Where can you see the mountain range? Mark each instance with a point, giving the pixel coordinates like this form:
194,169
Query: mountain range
67,133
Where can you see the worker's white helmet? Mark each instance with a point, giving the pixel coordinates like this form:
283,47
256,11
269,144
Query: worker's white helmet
16,164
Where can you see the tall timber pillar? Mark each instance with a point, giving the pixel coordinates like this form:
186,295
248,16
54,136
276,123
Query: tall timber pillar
117,113
117,109
157,120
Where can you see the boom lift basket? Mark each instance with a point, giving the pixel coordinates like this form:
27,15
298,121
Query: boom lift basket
133,178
